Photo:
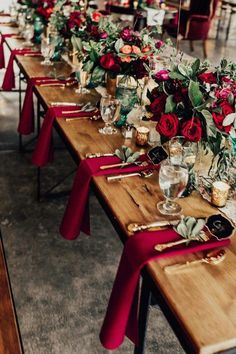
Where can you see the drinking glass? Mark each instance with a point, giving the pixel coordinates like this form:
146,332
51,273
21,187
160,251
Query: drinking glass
83,78
28,34
47,50
110,110
172,181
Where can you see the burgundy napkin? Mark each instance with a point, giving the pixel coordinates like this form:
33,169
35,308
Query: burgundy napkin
26,123
43,151
2,39
76,216
122,316
9,78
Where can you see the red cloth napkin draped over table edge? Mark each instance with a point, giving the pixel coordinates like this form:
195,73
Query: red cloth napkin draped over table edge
9,78
26,123
76,216
2,39
43,152
122,313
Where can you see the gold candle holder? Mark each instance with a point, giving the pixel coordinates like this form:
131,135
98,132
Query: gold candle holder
219,193
142,136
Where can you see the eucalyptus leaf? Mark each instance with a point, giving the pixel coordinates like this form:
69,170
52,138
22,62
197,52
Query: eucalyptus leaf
196,65
119,44
229,119
198,227
170,104
230,98
183,70
195,94
176,76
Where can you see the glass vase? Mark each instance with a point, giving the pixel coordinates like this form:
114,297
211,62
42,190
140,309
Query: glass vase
38,29
126,93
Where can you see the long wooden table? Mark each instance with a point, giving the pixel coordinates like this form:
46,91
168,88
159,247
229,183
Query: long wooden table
200,301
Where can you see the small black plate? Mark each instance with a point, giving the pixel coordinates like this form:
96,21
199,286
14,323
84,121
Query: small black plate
157,154
219,226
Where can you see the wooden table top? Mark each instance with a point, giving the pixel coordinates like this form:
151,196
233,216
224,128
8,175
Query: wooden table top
201,297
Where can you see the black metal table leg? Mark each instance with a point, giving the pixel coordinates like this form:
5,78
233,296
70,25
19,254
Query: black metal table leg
145,300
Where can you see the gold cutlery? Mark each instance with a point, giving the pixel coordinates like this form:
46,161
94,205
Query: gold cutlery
123,164
213,257
202,237
82,118
98,154
79,110
56,104
134,227
53,84
143,174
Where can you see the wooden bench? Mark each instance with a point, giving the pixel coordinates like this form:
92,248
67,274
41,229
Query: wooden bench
10,341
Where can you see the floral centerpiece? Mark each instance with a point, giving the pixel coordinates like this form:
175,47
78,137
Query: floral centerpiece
198,103
112,51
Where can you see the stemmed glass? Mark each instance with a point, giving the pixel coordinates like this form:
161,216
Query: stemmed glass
28,34
172,181
110,111
47,50
83,78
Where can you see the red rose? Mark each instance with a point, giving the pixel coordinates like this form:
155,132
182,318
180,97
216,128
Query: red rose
168,125
107,61
158,105
218,119
208,77
75,19
192,129
226,108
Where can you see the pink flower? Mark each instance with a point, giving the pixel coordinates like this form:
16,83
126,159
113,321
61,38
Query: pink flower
159,44
162,75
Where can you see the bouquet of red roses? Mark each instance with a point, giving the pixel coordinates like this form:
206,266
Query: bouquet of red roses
195,102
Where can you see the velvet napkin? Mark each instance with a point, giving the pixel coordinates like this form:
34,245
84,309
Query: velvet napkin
26,123
43,152
2,39
122,313
76,216
9,78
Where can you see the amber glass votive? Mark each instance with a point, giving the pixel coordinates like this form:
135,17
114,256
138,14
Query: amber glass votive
219,193
142,136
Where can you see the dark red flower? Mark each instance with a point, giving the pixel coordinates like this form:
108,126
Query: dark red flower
168,125
158,105
226,108
208,77
126,34
192,129
218,119
74,20
108,62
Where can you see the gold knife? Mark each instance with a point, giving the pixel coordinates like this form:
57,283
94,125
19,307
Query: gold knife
133,227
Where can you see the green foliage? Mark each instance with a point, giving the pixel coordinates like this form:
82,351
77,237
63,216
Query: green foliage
170,104
126,154
195,94
189,227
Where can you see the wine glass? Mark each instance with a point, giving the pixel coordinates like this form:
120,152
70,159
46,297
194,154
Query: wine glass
47,50
172,181
28,34
110,110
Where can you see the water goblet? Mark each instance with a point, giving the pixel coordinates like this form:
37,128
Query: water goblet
28,34
110,111
83,78
47,50
173,180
